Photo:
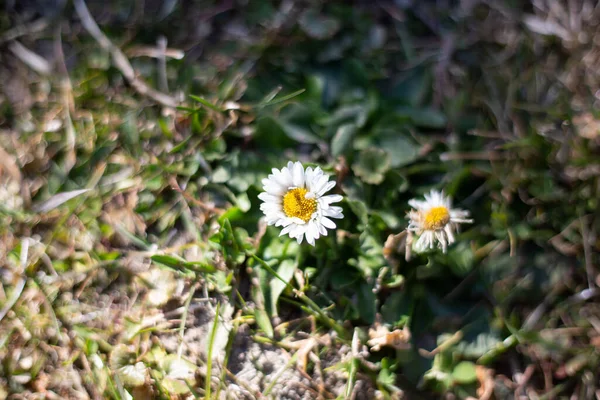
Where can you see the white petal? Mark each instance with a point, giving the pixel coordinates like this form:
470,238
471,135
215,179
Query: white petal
266,181
287,221
298,175
328,223
286,230
266,197
333,212
328,186
320,182
283,178
449,233
275,189
332,198
417,204
308,177
297,230
310,238
322,229
271,209
441,237
286,175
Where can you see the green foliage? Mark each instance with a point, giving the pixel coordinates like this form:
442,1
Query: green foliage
372,164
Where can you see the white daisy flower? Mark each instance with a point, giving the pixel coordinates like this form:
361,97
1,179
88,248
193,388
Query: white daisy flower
295,199
435,220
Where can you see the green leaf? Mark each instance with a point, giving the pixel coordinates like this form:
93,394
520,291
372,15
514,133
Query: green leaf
356,114
243,202
285,271
177,371
343,139
386,377
162,285
299,133
169,261
121,356
367,303
396,309
133,375
317,25
461,259
465,372
478,346
370,258
413,89
264,322
424,117
360,210
279,249
402,149
182,265
123,362
372,164
130,133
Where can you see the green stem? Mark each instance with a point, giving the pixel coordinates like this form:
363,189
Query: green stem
213,334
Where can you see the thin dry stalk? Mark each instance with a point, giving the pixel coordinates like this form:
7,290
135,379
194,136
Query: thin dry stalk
119,59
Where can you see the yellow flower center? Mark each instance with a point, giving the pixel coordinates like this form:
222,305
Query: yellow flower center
436,218
296,205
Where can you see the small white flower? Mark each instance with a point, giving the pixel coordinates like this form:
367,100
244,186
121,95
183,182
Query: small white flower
295,199
435,220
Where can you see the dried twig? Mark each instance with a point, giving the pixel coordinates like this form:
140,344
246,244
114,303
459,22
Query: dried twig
18,31
119,59
162,64
589,267
31,59
68,102
153,52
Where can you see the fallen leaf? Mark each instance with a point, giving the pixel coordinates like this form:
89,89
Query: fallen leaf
395,244
485,377
380,336
587,126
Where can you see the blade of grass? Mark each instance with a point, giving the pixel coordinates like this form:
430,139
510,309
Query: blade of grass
228,348
206,103
186,307
353,364
282,98
192,390
111,384
213,334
